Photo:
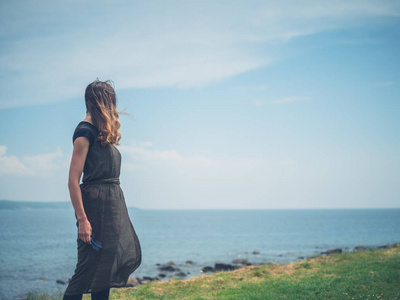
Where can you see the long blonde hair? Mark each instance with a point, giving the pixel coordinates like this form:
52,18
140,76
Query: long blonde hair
101,103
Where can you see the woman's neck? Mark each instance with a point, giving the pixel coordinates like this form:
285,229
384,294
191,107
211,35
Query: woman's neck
88,118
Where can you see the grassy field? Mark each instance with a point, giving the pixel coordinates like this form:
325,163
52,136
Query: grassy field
371,274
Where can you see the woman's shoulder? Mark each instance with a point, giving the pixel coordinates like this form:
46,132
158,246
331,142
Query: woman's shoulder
86,125
85,129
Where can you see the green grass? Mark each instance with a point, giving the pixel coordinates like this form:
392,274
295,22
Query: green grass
371,274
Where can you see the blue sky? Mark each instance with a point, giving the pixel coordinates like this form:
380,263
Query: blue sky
236,105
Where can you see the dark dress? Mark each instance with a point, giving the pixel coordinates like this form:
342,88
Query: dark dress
106,211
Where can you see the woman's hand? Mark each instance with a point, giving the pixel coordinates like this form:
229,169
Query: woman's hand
85,231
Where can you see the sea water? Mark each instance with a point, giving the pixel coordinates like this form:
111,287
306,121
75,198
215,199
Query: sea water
38,246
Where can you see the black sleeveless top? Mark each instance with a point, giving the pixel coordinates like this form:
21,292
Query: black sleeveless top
102,162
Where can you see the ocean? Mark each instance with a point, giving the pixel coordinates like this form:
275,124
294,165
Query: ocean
38,246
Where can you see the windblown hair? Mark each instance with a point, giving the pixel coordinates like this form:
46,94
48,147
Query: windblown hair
101,103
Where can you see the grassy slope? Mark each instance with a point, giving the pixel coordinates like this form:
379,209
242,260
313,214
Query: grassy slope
373,274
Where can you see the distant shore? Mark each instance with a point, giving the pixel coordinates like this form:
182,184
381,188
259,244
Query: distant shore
13,205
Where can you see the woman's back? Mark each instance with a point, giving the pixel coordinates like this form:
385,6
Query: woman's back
102,162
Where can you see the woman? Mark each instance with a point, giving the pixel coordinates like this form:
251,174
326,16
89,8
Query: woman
108,247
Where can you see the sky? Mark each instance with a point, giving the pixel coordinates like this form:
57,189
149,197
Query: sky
235,104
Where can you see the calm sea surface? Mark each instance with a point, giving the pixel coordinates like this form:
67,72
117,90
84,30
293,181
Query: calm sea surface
38,246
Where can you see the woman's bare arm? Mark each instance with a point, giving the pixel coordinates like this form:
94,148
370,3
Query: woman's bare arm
81,148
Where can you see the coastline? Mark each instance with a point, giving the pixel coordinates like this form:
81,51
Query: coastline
367,273
170,270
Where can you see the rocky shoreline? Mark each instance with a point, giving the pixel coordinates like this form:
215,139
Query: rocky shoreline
171,270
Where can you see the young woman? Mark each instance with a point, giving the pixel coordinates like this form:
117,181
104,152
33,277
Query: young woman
108,247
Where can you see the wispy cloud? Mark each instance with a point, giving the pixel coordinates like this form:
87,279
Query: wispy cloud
54,53
286,100
48,162
142,153
42,164
387,83
146,144
10,164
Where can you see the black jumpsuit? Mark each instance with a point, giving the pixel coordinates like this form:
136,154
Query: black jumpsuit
106,211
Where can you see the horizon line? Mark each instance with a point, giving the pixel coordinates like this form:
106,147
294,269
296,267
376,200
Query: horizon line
271,208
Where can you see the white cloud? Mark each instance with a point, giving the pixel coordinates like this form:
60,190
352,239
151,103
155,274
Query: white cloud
54,52
146,144
286,100
42,164
12,165
387,83
47,162
173,180
155,157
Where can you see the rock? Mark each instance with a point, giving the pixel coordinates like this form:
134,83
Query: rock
224,267
162,275
60,281
300,257
158,264
147,278
331,251
256,252
189,262
156,278
240,261
208,269
360,248
144,280
132,282
382,247
168,268
181,274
